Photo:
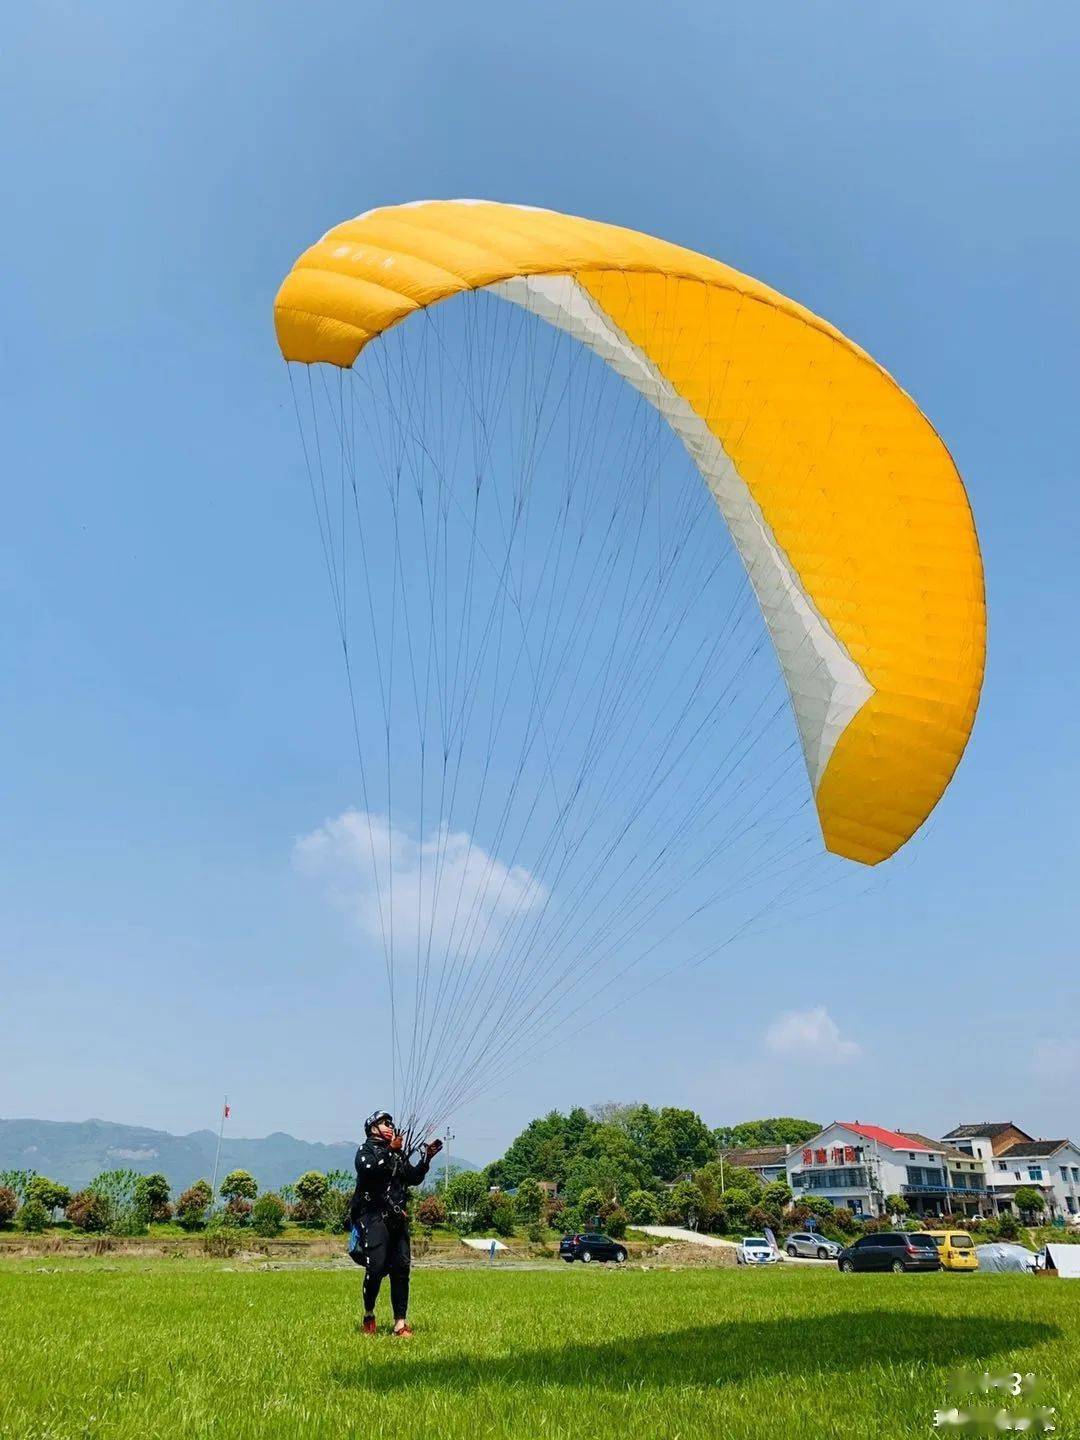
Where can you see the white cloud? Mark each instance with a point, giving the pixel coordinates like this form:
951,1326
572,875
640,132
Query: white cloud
1057,1062
363,861
810,1035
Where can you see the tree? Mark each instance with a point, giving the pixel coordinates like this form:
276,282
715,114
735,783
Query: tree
590,1203
642,1208
711,1181
614,1112
612,1144
431,1211
87,1210
9,1204
500,1213
599,1172
1008,1227
757,1217
311,1191
238,1185
193,1204
541,1150
896,1205
681,1142
733,1208
554,1210
615,1222
152,1198
776,1195
17,1180
117,1191
740,1177
32,1217
52,1195
1029,1201
337,1202
529,1202
778,1130
268,1214
463,1196
819,1206
686,1199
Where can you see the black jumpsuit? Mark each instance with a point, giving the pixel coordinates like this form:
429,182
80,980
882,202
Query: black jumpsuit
378,1212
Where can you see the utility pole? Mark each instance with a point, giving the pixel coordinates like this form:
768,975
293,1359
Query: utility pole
217,1156
446,1168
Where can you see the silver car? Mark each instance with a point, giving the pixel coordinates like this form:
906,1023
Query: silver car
811,1247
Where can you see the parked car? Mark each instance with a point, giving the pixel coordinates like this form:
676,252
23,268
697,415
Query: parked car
755,1250
955,1248
891,1250
812,1247
999,1255
588,1248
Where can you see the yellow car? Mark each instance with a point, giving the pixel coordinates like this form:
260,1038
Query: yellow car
956,1249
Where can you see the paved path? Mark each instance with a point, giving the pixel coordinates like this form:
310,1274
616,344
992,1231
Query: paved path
691,1237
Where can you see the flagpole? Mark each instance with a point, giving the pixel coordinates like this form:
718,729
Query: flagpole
217,1156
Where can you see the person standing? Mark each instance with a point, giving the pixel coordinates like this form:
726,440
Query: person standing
380,1238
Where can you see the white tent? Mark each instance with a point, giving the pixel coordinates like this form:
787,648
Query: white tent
1065,1259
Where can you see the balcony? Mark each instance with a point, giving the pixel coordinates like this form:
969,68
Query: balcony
960,1190
852,1177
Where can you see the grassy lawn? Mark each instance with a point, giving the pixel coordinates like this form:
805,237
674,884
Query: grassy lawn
184,1348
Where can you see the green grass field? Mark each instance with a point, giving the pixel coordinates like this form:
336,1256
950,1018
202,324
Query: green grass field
190,1348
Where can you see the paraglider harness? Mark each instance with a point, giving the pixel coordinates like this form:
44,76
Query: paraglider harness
387,1213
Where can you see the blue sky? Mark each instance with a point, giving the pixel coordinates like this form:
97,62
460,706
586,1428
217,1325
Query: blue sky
171,687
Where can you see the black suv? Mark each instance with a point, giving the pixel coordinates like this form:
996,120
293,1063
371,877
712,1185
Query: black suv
587,1248
891,1250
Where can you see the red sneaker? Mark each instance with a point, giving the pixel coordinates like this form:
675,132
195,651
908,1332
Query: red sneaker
404,1332
369,1327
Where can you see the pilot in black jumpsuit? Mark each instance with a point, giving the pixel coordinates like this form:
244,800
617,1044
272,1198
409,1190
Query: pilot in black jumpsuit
383,1175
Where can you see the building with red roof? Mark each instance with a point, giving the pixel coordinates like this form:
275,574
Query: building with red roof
863,1166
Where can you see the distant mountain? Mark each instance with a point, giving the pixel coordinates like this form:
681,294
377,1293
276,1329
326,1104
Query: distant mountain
73,1152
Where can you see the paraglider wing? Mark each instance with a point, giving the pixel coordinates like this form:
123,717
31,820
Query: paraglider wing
845,506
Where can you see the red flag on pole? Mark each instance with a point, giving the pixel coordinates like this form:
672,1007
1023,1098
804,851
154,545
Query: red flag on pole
226,1115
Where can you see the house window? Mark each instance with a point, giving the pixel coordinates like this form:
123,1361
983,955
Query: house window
1002,1165
853,1177
925,1175
1064,1172
1035,1172
1076,1173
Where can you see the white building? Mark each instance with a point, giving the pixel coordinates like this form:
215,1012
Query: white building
1014,1159
858,1166
1049,1166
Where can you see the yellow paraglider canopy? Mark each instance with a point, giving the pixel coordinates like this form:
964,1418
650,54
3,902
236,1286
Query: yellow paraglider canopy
845,506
